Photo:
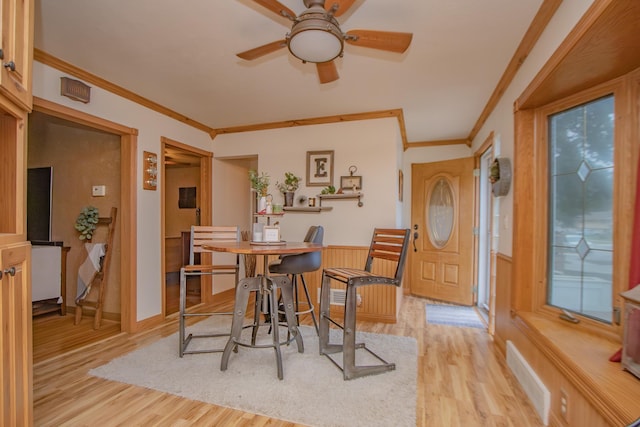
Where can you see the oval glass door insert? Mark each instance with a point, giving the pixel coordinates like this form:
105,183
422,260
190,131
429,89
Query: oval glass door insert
440,213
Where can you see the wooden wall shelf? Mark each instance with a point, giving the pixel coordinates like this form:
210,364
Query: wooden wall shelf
307,209
342,197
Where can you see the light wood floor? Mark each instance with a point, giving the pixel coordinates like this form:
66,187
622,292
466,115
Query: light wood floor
462,381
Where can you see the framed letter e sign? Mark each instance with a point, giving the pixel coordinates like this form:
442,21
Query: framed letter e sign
319,168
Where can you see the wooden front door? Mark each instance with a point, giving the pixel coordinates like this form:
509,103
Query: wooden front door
442,212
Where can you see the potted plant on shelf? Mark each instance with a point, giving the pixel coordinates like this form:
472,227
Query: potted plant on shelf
260,183
289,187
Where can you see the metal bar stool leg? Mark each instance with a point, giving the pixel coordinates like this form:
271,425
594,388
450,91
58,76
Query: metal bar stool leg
349,334
323,338
286,292
273,308
183,297
244,289
257,309
312,310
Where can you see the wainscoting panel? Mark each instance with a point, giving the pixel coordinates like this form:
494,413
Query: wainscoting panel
503,281
379,303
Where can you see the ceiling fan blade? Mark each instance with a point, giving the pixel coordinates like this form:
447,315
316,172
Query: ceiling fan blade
277,7
327,72
259,51
343,5
383,40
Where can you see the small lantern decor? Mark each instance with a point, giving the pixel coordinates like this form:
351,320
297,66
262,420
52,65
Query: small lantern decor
500,176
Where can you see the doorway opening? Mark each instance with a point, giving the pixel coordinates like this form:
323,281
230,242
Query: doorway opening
77,158
67,140
484,235
186,201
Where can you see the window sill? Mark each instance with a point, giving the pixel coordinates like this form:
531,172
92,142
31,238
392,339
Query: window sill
583,358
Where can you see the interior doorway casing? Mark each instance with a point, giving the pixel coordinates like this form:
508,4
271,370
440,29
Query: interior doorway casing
127,218
205,191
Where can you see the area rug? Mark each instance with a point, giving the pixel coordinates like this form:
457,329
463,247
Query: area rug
312,391
453,315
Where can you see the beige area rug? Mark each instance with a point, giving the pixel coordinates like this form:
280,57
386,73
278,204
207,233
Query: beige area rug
312,391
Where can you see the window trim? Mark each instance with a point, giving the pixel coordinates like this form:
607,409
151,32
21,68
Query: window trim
531,126
543,123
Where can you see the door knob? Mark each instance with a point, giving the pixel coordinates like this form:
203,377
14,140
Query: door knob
11,271
10,65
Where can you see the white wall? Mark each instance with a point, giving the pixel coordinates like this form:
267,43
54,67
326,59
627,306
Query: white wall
231,204
151,126
371,145
501,120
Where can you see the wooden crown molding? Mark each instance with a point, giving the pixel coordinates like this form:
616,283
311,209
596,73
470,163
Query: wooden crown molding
538,25
439,142
397,113
52,61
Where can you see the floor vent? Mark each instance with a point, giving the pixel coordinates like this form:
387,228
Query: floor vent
530,382
337,296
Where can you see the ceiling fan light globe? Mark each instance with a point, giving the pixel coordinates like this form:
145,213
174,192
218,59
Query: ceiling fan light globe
315,37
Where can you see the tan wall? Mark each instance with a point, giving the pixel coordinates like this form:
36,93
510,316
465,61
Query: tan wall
80,158
177,219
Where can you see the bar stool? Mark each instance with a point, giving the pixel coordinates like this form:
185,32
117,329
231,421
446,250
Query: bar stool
387,245
200,234
250,285
297,265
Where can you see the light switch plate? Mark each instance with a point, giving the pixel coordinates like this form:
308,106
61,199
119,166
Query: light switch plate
98,190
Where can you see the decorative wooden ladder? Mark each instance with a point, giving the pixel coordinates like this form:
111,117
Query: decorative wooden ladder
99,280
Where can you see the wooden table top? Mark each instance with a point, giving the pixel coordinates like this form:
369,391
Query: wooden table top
262,248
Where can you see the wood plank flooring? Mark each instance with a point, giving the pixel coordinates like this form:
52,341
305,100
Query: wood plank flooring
54,334
462,381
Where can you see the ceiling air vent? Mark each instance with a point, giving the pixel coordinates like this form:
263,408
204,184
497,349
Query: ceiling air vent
75,90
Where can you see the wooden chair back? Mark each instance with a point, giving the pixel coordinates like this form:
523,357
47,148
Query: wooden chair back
204,233
389,244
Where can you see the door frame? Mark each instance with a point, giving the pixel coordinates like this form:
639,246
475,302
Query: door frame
206,187
128,200
488,144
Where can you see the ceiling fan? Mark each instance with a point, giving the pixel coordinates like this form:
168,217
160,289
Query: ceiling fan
316,36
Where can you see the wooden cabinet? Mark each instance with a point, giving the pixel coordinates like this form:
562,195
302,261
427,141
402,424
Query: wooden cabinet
13,126
16,338
16,42
17,53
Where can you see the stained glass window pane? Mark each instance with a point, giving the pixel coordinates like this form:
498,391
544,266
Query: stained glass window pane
440,213
581,209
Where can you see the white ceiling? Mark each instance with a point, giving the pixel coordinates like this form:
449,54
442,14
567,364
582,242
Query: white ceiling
181,54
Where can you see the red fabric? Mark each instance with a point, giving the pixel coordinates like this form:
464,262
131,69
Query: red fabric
617,356
634,272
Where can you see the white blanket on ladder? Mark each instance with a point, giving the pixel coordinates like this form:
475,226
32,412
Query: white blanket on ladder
89,268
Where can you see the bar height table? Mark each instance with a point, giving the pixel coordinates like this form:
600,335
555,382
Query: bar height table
264,284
